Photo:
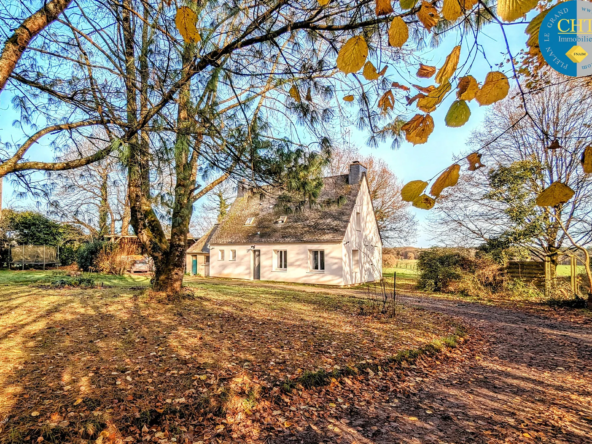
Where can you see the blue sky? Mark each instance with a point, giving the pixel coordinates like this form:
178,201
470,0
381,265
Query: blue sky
408,162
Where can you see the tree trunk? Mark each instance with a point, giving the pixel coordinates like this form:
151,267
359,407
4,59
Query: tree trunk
169,272
553,254
104,206
168,255
125,219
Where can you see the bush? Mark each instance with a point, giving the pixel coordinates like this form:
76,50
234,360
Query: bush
87,255
389,260
521,290
116,259
68,254
458,270
439,267
65,281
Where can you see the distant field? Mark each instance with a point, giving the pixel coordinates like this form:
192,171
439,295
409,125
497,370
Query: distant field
402,273
408,269
565,270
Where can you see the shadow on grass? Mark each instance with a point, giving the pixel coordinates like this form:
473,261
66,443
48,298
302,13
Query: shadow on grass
78,363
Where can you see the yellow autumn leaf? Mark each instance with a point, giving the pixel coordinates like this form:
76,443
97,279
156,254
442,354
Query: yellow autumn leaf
417,96
349,98
449,66
510,10
474,160
413,190
295,94
425,89
555,194
418,129
324,2
407,4
451,10
352,55
426,71
448,178
387,101
185,20
495,88
370,72
467,4
398,32
78,401
424,202
434,98
428,15
399,86
458,114
532,30
467,88
587,160
383,7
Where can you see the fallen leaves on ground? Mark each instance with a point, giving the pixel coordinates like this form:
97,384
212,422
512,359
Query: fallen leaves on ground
109,364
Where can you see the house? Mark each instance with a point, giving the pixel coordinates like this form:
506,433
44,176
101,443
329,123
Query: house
198,255
265,235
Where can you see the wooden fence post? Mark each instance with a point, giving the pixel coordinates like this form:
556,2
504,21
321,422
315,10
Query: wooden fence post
574,272
547,276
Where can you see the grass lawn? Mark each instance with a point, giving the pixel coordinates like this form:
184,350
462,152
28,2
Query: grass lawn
83,365
565,270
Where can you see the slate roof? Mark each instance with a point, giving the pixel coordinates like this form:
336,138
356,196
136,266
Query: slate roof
327,221
203,243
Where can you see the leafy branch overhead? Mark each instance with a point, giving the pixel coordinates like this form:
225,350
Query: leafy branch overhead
354,54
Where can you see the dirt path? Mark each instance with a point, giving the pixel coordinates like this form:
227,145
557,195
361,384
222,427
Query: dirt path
532,382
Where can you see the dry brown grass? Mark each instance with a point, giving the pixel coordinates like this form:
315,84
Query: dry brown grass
74,363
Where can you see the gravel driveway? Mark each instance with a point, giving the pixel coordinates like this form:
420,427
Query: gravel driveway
529,380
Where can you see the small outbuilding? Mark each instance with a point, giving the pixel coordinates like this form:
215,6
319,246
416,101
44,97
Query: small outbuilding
198,255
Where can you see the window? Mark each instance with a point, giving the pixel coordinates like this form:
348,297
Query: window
232,255
282,220
355,261
220,255
358,221
317,260
250,221
281,259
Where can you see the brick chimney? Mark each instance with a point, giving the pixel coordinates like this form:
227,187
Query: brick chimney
356,170
243,187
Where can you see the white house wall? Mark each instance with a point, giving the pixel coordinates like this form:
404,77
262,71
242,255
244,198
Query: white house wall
365,239
298,263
